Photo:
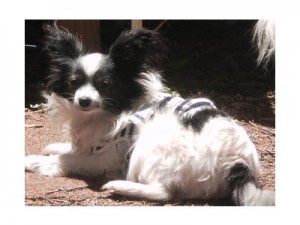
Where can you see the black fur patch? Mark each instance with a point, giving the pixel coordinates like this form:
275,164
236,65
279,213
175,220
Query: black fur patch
136,50
60,50
60,43
197,121
238,177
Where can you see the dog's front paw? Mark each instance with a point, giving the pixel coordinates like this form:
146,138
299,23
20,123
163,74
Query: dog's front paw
112,186
121,187
57,148
46,165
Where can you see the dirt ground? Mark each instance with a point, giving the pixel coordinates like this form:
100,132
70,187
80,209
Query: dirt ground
78,191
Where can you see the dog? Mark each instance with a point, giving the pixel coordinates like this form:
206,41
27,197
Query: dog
150,144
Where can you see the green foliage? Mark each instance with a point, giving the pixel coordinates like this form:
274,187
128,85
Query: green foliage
172,91
39,107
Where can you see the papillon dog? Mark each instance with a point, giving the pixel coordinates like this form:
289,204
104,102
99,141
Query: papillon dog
150,144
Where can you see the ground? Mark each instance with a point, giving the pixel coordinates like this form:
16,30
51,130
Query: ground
212,59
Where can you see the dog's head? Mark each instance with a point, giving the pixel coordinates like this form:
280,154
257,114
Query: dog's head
119,81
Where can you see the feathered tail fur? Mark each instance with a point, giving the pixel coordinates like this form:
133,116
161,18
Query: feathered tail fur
264,41
246,191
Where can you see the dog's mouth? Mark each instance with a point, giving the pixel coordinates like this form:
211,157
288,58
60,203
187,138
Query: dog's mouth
90,108
87,105
86,109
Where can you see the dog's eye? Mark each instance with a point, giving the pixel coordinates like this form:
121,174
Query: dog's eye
104,84
74,82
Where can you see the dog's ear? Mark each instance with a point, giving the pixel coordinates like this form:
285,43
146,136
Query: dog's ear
137,50
60,43
60,50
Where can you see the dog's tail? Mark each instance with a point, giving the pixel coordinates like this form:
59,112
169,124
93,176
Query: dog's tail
246,191
264,41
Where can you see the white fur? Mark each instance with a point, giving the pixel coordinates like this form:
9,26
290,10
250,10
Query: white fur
264,40
252,196
177,163
57,148
151,82
91,63
169,161
86,129
133,189
88,91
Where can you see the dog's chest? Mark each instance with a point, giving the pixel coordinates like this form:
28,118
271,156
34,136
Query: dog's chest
92,137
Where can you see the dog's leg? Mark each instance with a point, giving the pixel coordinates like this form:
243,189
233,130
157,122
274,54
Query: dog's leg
57,148
46,165
88,165
137,190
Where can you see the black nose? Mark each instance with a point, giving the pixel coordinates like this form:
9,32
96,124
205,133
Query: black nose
85,102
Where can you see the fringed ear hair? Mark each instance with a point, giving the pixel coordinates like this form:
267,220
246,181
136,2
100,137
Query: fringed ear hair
140,49
59,43
61,49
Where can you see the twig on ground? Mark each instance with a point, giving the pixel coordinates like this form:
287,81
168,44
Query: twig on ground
269,130
69,189
33,126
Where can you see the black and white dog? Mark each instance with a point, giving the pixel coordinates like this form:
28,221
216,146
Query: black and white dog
152,145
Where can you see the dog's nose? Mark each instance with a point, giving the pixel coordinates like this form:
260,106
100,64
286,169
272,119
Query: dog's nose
85,102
